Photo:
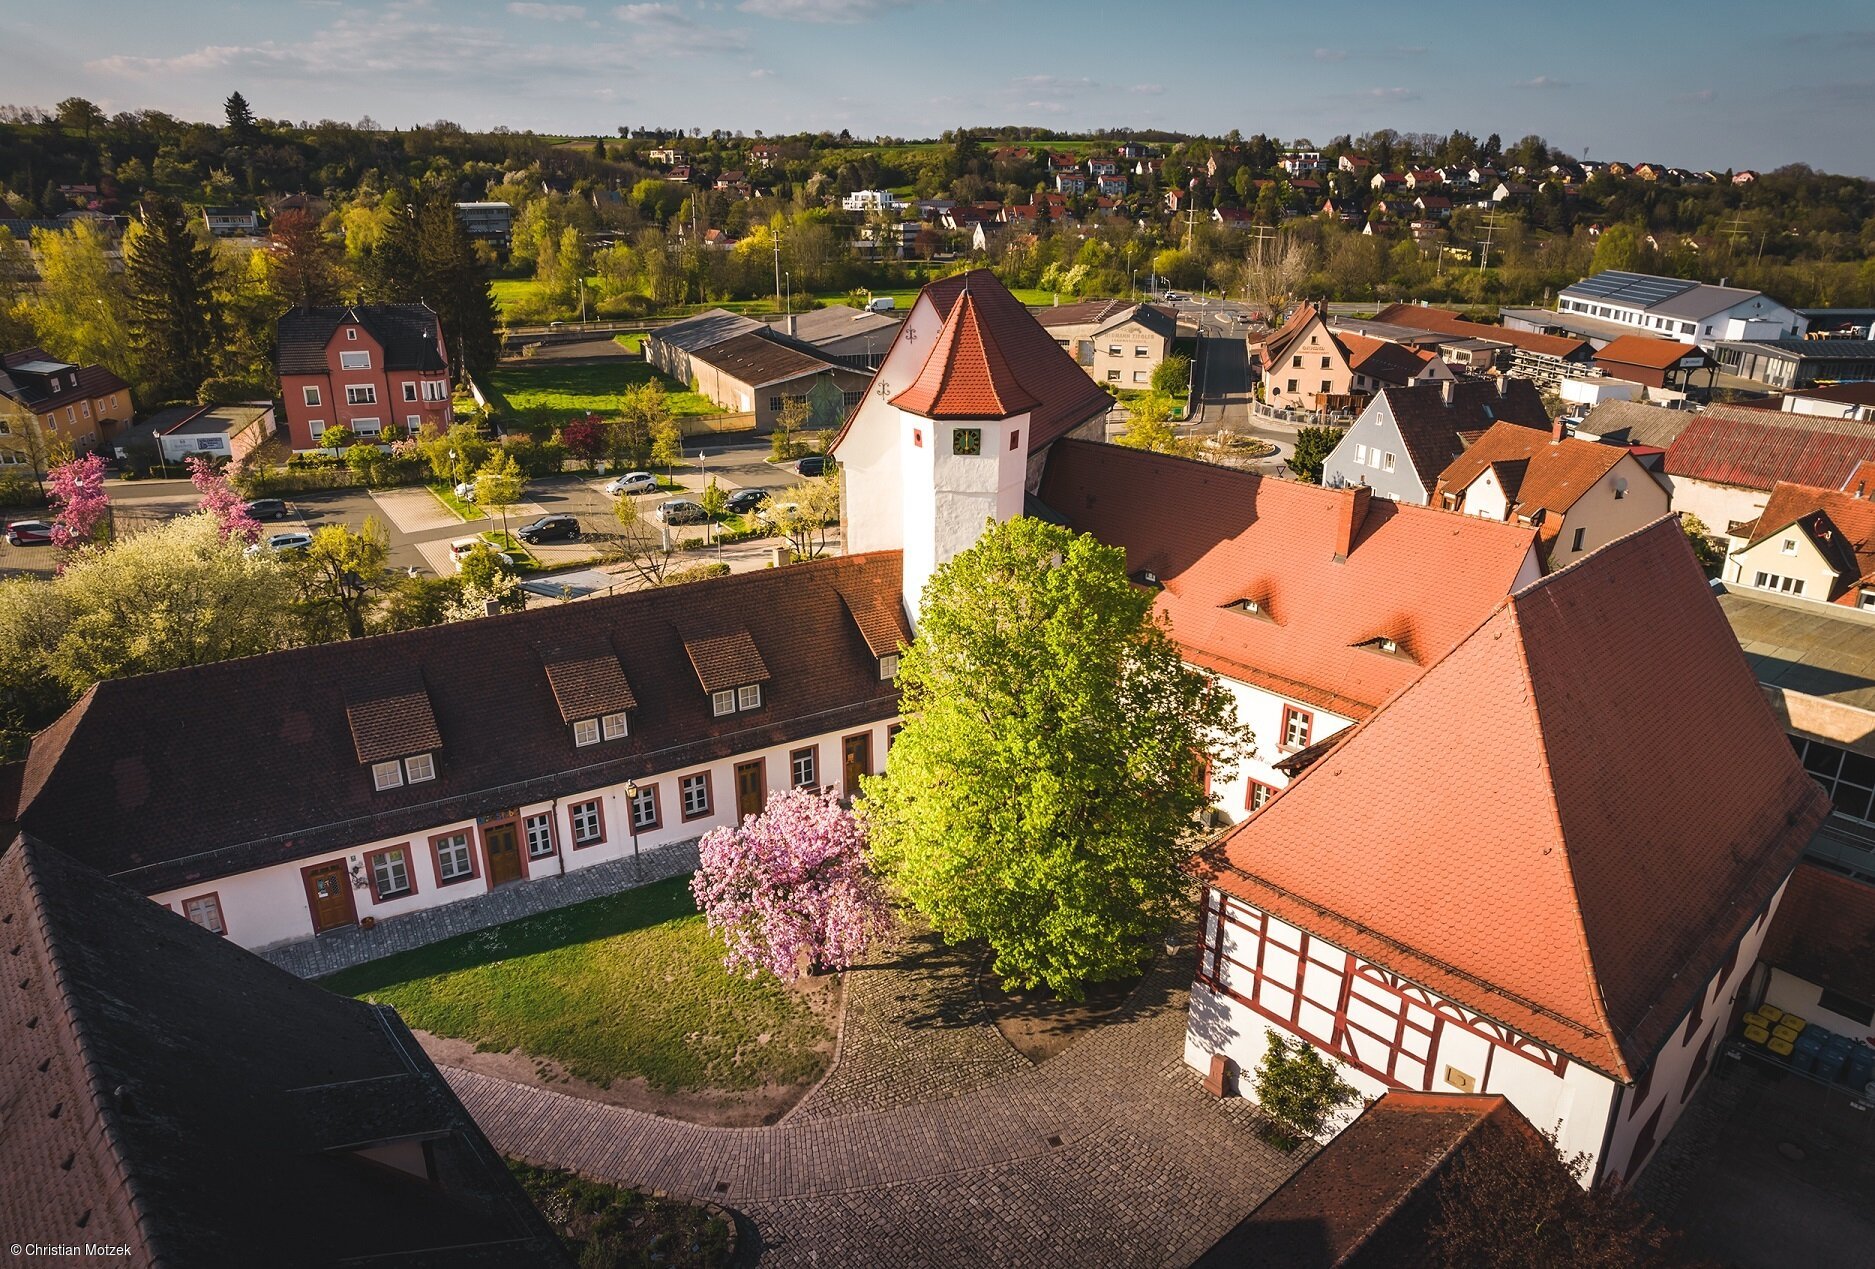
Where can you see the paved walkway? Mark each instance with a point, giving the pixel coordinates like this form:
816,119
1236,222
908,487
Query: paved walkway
341,949
1109,1154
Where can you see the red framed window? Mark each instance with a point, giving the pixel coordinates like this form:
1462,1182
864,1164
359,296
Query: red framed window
1298,726
588,820
1257,795
205,911
391,873
454,857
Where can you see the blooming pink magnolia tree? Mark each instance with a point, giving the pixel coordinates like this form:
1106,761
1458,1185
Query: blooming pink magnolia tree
77,490
220,499
792,890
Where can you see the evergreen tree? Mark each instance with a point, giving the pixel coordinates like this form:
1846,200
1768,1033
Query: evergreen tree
240,118
170,275
452,281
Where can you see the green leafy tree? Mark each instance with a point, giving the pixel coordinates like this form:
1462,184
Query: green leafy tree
1173,375
341,575
642,544
499,485
643,409
1044,793
667,445
169,274
81,311
714,500
1312,448
1711,552
1149,425
1301,1088
338,436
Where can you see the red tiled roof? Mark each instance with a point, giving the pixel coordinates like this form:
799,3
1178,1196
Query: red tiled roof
1640,350
1380,359
1434,431
1445,322
726,660
1593,899
880,618
1727,449
1213,535
1279,340
1842,525
1370,1197
1040,369
965,376
390,714
587,680
1549,475
1824,932
1861,478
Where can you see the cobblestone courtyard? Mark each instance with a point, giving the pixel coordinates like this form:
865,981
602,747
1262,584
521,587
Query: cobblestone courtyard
932,1142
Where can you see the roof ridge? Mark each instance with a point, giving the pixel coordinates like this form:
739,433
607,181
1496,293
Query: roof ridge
27,848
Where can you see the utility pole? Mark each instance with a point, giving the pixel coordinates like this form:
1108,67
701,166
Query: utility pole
777,270
1490,230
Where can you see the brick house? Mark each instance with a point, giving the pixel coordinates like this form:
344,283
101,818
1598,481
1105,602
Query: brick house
363,367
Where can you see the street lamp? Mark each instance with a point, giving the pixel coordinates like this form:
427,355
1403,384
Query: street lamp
631,817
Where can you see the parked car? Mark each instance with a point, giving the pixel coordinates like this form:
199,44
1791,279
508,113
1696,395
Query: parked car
29,533
814,465
632,482
462,548
775,510
744,501
466,491
266,509
682,511
549,529
289,541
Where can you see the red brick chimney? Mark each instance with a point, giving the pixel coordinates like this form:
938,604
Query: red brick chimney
1559,430
1350,513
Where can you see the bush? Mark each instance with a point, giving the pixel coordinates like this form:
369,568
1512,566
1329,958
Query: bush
695,573
1299,1087
20,491
537,457
1172,375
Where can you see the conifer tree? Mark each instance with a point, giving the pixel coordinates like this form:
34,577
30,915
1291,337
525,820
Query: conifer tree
170,276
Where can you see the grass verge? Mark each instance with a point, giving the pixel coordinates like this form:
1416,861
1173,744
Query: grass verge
463,510
629,985
552,392
513,546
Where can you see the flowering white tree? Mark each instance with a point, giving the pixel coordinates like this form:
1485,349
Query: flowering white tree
220,499
792,890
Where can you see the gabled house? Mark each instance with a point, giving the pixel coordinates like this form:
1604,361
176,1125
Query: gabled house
1309,365
1070,182
1589,972
229,222
1578,495
1810,543
1656,363
1117,342
1725,462
1111,185
1406,437
362,367
1387,182
86,406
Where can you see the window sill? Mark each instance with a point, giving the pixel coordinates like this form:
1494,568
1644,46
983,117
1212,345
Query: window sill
456,881
597,841
392,897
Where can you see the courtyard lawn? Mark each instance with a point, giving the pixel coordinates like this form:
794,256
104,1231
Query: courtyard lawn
631,985
546,392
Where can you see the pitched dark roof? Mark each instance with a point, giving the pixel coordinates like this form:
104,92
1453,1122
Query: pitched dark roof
408,333
166,1089
761,357
705,329
1370,1197
1631,423
81,383
136,774
587,680
1434,432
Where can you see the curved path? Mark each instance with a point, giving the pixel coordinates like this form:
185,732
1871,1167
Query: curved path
1110,1153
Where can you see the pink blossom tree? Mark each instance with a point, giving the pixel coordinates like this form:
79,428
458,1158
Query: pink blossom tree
221,500
792,890
77,490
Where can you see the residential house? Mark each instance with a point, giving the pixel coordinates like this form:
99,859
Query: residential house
1545,358
226,432
1177,200
1726,461
1310,365
1590,972
229,222
361,367
668,156
1809,542
1355,165
1434,206
1117,342
1071,183
1665,364
1512,193
764,154
84,406
1387,182
1406,437
682,174
1235,217
1578,495
1110,185
174,1100
1302,162
1103,167
1424,178
492,223
1696,311
1744,177
735,181
872,201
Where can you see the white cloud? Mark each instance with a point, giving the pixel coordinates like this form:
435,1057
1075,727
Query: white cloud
761,72
819,11
1544,81
1392,94
1147,90
664,28
1331,55
547,12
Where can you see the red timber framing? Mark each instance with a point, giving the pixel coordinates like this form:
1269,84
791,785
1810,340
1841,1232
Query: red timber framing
1341,1003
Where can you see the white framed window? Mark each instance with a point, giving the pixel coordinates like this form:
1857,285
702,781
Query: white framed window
419,767
354,360
1114,350
722,703
351,332
1298,724
613,725
205,911
312,395
84,407
410,390
363,428
538,830
1787,547
749,697
588,825
696,795
585,731
1140,376
390,873
454,859
1388,465
1360,455
435,390
888,666
387,775
1139,350
803,768
412,422
1113,376
361,394
645,808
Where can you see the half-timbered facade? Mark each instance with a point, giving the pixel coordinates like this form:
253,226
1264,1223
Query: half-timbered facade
1475,891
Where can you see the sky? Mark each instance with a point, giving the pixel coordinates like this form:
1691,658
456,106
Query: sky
1722,83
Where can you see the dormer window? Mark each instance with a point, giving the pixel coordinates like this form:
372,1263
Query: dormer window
586,732
888,667
1252,607
387,775
966,442
613,726
393,728
722,703
419,768
395,773
749,696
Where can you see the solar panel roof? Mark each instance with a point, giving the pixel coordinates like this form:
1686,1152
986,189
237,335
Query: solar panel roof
1642,289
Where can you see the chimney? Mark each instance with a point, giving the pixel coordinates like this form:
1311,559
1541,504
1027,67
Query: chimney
778,557
1350,512
1446,387
791,323
1559,430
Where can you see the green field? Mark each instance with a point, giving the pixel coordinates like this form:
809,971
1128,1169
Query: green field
631,985
546,392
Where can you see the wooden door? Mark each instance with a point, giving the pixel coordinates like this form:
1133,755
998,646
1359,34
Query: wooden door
329,895
751,789
856,751
502,846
